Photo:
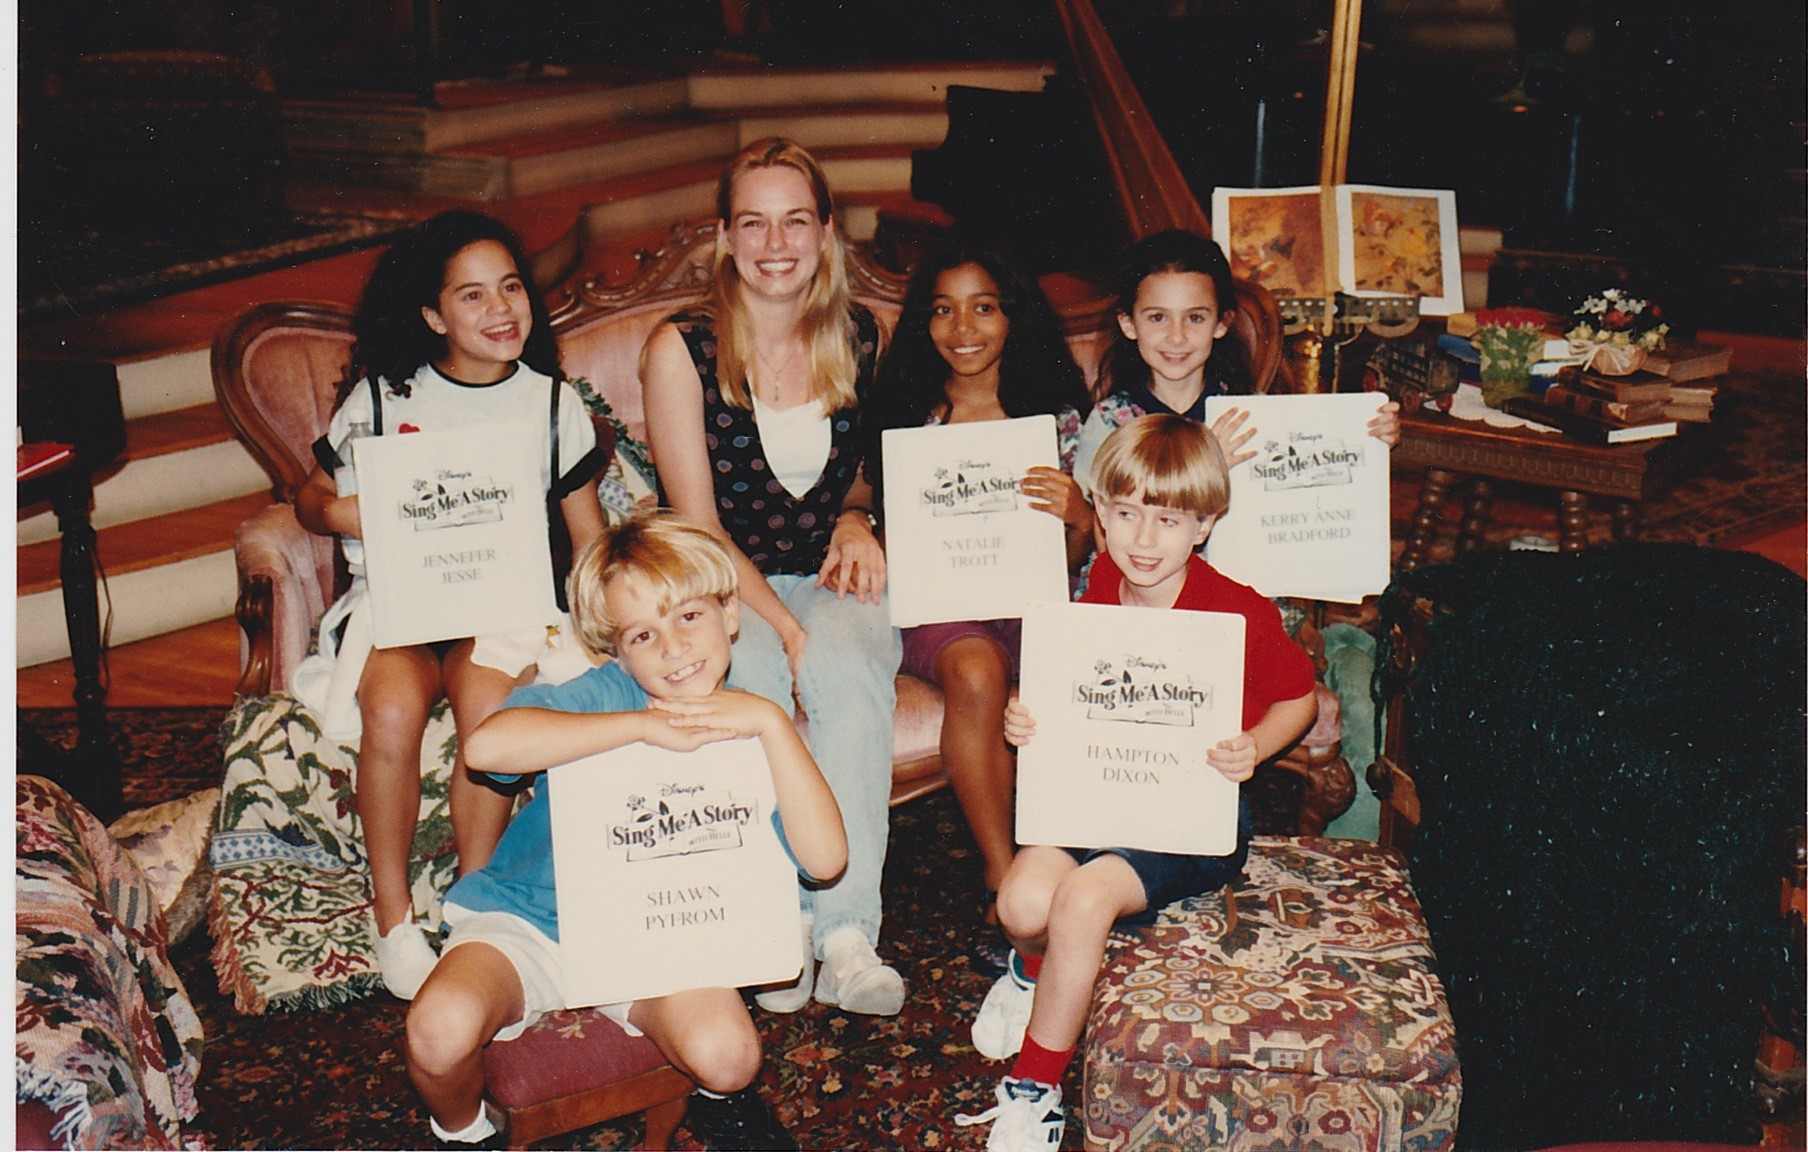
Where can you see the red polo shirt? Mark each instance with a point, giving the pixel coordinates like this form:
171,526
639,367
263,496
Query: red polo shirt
1274,667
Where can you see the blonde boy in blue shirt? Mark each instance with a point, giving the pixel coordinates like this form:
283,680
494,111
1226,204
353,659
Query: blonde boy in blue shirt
659,595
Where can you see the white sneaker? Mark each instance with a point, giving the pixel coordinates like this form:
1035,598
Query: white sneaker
1003,1015
1027,1117
853,979
403,957
790,997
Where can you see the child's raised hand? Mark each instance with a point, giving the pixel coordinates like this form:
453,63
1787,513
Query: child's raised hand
1019,726
1232,435
1385,427
1235,758
676,734
729,713
1055,492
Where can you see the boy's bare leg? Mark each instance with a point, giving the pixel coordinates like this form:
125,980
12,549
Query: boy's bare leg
706,1034
480,813
1084,905
473,993
395,694
1027,893
975,678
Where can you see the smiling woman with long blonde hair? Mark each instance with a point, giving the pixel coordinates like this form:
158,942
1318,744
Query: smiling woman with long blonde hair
753,419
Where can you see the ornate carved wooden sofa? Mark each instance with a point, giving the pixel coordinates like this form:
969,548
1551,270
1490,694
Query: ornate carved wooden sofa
276,370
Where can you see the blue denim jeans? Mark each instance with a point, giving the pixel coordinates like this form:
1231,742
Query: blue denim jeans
848,687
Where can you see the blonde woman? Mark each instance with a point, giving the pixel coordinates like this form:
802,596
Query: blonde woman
753,418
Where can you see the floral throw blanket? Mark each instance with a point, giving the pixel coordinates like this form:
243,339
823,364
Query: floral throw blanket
106,1036
290,907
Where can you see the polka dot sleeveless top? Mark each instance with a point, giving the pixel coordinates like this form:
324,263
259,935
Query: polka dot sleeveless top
783,535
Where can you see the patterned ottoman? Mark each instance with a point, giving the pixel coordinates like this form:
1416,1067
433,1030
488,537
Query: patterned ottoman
1308,1017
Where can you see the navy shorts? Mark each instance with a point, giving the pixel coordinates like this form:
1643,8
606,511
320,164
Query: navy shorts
1167,877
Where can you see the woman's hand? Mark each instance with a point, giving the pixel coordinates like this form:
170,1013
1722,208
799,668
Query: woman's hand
1232,435
855,561
1055,492
1385,427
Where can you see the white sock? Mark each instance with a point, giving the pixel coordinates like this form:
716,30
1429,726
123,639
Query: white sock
702,1091
478,1129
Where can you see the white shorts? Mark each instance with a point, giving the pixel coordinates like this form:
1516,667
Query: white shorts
535,957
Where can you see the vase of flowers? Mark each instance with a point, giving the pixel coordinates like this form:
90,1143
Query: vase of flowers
1616,330
1508,351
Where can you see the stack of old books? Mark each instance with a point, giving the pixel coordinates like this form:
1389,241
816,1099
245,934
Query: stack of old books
1647,405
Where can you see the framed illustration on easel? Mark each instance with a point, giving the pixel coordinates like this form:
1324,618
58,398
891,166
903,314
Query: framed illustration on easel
1367,240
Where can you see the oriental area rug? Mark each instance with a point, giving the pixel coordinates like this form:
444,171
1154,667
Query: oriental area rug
336,1078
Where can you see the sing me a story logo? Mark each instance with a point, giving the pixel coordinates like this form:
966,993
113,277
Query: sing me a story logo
683,820
1140,690
453,499
1306,460
969,488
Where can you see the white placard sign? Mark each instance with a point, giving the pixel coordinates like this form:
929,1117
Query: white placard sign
454,534
1309,514
961,541
1126,701
670,873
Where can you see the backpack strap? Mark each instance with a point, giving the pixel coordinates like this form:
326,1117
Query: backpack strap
376,406
553,420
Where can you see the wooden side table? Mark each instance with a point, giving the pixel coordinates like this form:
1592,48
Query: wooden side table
1453,450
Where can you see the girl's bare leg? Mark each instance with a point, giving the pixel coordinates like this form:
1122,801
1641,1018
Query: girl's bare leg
975,678
479,812
1028,893
395,694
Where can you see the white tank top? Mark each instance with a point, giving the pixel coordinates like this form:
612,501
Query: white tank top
795,442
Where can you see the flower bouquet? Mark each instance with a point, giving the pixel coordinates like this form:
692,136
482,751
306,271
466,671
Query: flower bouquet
1616,330
1509,347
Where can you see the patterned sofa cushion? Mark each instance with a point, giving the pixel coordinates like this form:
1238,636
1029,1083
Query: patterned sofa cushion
1312,1018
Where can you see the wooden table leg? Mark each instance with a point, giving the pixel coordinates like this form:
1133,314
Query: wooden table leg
1628,520
1572,521
1474,531
1424,532
100,792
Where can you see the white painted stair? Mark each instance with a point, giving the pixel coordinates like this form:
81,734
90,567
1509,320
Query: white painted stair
164,514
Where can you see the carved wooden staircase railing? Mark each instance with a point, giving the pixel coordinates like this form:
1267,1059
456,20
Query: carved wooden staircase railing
1150,189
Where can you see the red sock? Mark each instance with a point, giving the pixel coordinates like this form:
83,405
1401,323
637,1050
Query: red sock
1032,966
1040,1064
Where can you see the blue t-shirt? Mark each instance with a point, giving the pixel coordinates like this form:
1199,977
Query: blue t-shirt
519,877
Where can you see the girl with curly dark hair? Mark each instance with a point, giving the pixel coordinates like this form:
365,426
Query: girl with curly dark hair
451,334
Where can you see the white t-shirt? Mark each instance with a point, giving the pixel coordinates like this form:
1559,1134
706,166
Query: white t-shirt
437,403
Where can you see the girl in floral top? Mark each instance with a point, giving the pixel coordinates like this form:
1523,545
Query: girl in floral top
1175,300
978,341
